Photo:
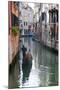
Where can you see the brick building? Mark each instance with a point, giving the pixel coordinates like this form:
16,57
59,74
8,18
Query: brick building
13,40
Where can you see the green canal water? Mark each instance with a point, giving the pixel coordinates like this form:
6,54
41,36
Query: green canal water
44,70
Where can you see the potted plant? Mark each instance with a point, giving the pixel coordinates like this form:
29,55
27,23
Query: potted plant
15,30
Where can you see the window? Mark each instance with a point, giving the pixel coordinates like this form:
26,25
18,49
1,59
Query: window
24,23
15,20
43,16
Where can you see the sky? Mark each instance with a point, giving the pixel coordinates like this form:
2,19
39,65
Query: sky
31,5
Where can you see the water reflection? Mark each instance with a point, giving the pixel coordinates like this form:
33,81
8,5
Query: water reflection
26,68
44,71
14,74
41,71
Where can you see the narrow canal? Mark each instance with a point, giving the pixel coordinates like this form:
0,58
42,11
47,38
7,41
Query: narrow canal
44,70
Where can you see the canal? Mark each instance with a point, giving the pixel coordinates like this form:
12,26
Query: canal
44,70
